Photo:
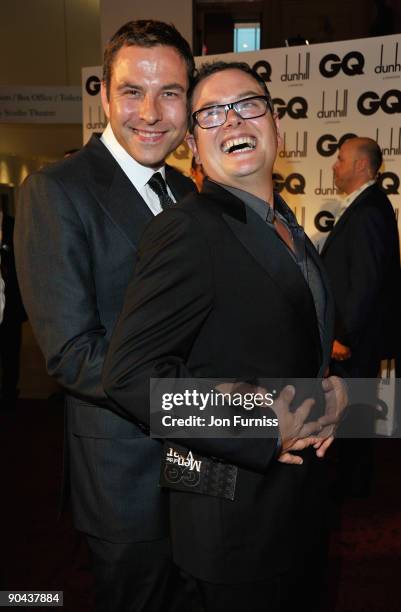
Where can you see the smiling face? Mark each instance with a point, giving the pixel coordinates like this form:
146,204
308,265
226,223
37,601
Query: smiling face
240,153
147,105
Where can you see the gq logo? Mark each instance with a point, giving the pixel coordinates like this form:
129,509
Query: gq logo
389,182
264,70
296,108
293,183
327,144
92,85
351,64
324,221
370,102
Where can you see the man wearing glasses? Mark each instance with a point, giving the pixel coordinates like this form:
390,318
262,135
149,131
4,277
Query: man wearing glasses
228,285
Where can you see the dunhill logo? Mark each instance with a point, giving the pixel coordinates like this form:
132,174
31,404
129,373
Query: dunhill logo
326,190
327,144
99,123
335,112
385,68
300,75
300,214
297,152
394,148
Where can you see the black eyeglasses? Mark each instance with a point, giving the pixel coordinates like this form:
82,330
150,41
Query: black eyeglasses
247,108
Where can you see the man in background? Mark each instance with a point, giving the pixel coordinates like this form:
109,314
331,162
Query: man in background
361,255
78,226
362,258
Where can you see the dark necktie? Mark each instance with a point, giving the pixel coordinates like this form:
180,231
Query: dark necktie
158,185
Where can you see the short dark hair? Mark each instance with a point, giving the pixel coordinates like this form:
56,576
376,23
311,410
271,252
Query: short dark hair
210,68
146,33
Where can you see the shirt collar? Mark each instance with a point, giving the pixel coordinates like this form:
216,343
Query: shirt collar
353,196
138,175
262,208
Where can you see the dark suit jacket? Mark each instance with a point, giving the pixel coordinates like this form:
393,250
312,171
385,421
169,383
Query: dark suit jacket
216,295
362,258
78,225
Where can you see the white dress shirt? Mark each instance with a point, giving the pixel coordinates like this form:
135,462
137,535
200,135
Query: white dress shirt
138,175
351,197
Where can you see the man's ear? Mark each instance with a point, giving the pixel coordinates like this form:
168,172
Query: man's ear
191,142
363,165
105,100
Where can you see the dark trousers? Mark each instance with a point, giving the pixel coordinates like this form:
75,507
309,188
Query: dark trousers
136,577
281,594
355,446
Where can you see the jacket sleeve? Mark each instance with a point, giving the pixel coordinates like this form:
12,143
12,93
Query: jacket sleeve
53,261
165,307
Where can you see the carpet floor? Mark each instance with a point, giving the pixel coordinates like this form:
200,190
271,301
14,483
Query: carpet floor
41,552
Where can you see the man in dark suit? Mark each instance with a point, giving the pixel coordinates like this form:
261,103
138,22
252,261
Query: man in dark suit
362,258
228,285
78,227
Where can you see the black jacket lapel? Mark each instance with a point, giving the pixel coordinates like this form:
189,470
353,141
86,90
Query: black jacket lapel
116,194
266,248
179,184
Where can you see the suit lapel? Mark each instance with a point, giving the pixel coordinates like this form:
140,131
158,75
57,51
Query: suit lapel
116,195
266,248
179,184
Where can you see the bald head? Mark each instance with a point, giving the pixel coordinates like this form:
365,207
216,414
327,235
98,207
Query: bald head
358,162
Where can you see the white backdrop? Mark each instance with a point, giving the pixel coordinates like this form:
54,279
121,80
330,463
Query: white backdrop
321,93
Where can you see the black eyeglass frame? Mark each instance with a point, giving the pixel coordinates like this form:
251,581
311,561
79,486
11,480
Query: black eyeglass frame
231,106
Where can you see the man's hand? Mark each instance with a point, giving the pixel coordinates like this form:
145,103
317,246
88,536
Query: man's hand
295,433
336,398
340,352
297,445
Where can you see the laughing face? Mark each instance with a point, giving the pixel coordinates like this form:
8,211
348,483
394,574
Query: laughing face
147,106
241,152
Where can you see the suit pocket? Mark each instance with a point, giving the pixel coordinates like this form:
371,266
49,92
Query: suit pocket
89,420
